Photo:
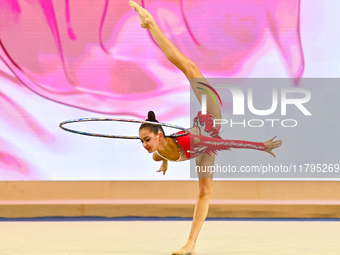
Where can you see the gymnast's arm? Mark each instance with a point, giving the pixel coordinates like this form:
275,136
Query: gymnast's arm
164,165
221,144
267,146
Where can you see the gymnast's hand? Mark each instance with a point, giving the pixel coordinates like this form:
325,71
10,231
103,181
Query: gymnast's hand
164,167
271,144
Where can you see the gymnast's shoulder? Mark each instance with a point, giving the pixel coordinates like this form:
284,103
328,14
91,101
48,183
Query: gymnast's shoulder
156,157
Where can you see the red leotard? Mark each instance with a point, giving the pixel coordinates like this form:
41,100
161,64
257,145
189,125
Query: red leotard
190,146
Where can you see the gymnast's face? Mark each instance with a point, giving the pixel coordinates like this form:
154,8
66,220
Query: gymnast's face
149,139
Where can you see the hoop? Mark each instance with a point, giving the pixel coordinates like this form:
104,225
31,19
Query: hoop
61,125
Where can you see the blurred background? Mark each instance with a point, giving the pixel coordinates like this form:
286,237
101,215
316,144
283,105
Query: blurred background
63,60
70,59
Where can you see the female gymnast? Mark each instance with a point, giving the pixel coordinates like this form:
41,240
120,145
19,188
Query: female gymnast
203,135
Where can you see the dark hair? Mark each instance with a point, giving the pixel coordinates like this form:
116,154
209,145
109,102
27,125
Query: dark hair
153,128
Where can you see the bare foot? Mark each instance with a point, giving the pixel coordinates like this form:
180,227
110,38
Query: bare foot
144,15
184,251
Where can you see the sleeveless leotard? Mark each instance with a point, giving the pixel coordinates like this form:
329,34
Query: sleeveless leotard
191,146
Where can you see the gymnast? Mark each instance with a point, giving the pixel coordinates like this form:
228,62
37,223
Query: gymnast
203,135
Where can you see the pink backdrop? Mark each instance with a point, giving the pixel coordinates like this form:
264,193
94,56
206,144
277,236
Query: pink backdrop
93,55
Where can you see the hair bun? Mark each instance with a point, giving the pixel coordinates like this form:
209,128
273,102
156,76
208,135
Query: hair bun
151,116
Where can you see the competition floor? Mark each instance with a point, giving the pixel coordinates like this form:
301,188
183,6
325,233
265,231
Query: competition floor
162,237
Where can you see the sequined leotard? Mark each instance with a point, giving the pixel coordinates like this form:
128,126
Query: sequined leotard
191,146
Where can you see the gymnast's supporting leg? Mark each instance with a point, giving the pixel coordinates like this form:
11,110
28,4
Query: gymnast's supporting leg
202,203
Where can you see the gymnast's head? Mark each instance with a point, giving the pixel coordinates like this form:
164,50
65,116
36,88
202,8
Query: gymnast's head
151,135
